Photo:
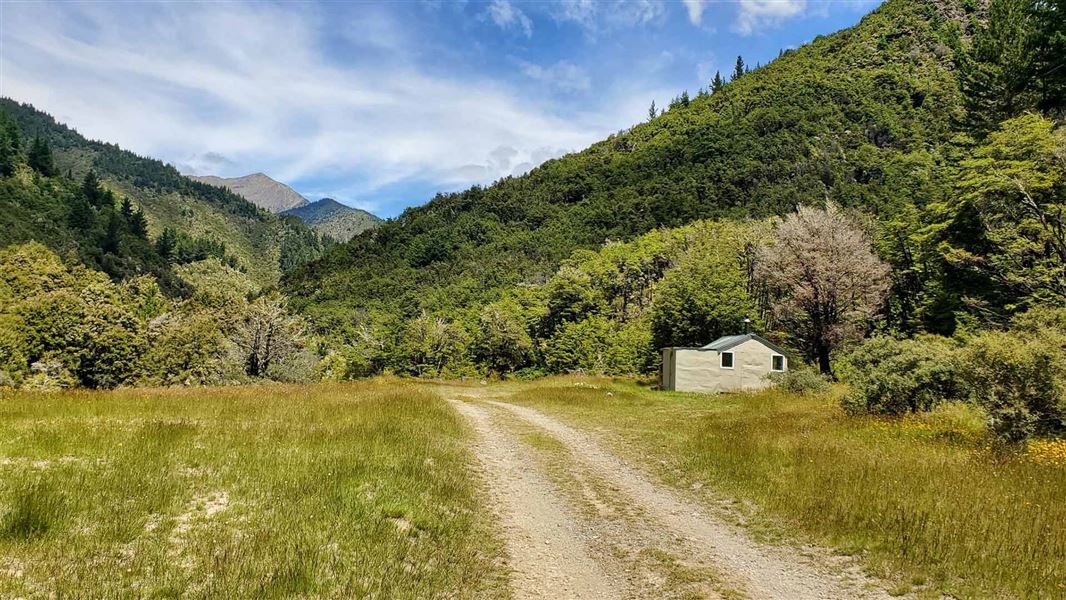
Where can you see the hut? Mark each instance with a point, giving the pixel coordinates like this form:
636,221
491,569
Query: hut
730,363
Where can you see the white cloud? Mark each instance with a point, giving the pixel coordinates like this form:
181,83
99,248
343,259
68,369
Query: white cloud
506,15
253,91
758,14
695,10
595,16
563,75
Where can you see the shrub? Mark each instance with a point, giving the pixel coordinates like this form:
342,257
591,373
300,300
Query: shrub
1019,378
894,377
800,381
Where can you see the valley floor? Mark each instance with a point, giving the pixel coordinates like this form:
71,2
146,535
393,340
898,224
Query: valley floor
558,488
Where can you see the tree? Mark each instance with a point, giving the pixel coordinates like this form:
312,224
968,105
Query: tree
502,341
40,157
717,83
432,343
1049,53
81,215
1017,183
739,70
139,224
825,282
267,335
166,243
996,70
127,209
8,146
112,235
652,112
90,187
707,293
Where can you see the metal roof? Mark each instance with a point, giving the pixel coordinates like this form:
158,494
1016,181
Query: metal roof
729,341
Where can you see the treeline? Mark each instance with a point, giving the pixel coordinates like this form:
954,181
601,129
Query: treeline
263,244
64,325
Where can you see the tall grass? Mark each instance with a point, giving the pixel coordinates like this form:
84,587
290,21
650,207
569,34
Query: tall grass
923,500
359,490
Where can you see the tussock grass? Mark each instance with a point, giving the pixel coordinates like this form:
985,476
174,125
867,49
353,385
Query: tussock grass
928,502
359,490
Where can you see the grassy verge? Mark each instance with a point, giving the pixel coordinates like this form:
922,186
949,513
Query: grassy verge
359,490
925,502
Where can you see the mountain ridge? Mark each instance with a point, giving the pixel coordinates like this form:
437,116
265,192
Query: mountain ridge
259,189
331,218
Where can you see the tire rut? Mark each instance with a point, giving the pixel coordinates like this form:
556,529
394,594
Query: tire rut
548,555
763,571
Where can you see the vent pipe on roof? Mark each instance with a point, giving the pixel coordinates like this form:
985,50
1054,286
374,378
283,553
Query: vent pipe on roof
747,326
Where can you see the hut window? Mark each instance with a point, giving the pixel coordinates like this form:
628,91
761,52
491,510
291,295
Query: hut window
727,360
777,363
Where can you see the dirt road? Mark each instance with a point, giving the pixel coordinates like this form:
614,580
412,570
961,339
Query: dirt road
580,522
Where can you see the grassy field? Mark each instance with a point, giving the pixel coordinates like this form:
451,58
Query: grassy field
360,490
928,503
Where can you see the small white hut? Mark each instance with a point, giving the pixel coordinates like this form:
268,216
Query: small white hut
730,363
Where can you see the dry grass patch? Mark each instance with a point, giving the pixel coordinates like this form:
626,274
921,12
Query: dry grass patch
313,491
927,502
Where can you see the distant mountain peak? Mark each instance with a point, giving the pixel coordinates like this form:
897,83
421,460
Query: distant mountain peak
259,189
339,221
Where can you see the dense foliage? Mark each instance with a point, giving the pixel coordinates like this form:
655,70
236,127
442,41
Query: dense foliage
62,324
211,220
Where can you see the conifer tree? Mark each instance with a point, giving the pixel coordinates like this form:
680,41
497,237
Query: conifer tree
127,210
81,215
166,243
8,155
739,70
717,83
652,112
40,157
139,224
90,186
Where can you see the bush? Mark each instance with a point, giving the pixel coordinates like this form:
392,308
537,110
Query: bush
800,381
1019,378
894,377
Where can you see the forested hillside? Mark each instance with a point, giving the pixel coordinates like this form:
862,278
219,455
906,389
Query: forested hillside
333,219
933,126
858,117
203,219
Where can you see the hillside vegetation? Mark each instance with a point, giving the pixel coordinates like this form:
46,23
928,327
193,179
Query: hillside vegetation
222,494
261,244
859,117
335,220
929,501
663,234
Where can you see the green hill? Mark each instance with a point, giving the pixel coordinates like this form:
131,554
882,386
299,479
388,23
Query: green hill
331,218
860,117
262,244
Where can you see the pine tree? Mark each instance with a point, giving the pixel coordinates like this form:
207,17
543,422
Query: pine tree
652,112
739,70
684,99
8,156
718,83
997,70
90,186
81,215
113,236
40,157
166,243
127,210
12,132
139,224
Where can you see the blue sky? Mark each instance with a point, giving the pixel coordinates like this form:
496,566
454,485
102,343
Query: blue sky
380,105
